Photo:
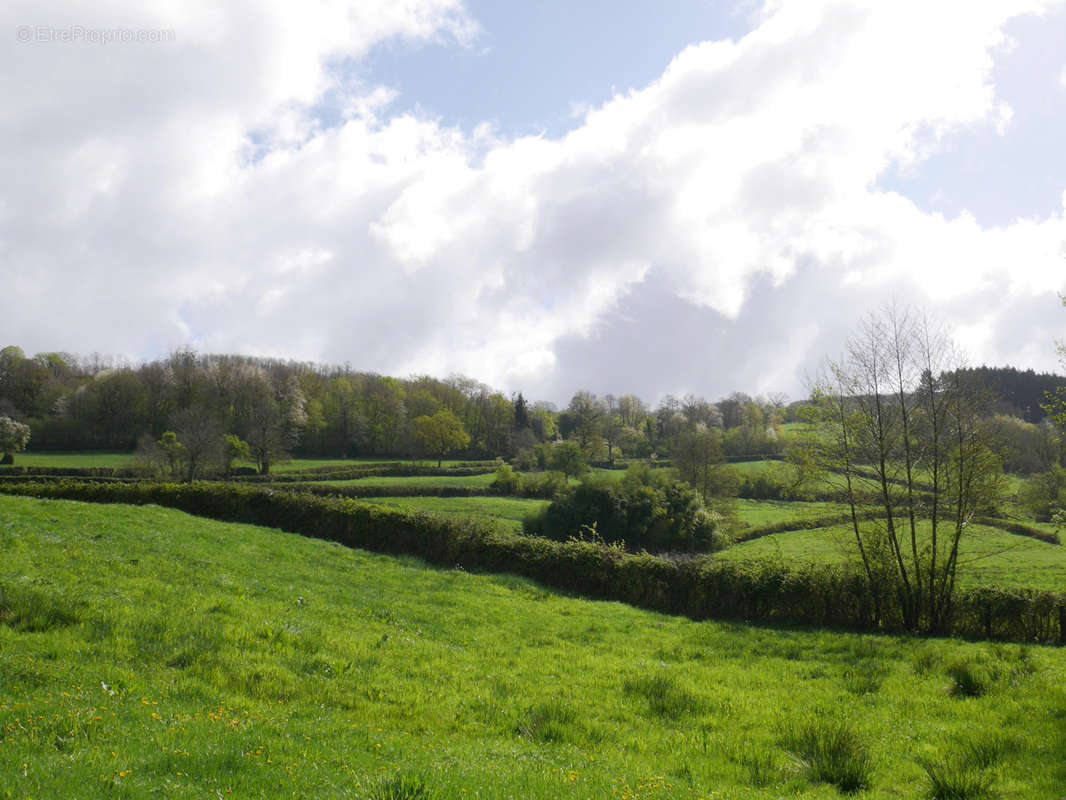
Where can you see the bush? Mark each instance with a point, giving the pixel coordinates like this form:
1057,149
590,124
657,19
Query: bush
507,480
665,516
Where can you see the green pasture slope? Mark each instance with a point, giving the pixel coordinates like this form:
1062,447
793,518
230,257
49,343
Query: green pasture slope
145,652
987,555
66,460
95,459
507,511
413,480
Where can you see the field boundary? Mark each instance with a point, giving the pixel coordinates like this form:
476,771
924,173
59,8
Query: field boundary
702,588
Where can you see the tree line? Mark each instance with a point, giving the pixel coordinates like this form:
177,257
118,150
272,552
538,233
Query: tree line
278,407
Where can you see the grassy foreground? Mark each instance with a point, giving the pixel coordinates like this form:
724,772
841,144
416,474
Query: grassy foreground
144,651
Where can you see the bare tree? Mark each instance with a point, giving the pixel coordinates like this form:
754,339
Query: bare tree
908,439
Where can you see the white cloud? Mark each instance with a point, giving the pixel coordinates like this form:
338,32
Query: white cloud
186,191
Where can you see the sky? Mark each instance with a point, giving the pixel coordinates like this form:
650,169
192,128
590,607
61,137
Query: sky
655,198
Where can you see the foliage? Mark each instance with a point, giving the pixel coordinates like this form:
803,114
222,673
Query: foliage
1044,494
646,510
441,434
698,456
14,436
567,458
234,449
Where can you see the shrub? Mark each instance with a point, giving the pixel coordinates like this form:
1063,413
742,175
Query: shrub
663,516
832,752
506,481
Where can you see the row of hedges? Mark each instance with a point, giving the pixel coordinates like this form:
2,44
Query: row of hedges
367,490
70,472
1019,529
697,588
355,472
330,469
805,524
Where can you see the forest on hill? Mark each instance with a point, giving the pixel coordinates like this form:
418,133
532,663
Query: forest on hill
300,408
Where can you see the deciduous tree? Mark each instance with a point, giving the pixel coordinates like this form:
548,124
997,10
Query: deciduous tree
441,434
908,438
14,436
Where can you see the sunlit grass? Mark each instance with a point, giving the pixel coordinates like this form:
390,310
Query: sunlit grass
190,658
760,513
415,480
83,459
508,511
987,556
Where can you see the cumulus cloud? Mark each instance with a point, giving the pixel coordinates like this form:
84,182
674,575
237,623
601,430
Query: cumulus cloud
192,192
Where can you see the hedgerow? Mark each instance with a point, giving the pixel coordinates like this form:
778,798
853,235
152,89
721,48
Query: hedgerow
699,588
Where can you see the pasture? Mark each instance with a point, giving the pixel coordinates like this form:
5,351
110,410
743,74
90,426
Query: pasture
144,651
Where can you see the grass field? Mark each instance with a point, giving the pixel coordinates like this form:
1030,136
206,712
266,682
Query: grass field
759,513
416,480
48,459
145,652
93,459
314,463
987,556
508,511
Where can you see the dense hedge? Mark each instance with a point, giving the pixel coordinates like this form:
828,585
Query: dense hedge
360,471
368,490
805,524
1019,529
71,472
698,588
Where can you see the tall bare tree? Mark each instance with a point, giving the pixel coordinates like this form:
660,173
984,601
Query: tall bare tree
907,436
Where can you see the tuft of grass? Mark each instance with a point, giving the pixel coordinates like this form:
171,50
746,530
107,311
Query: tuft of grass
759,767
969,678
400,787
967,772
549,721
831,751
925,661
956,780
865,677
666,697
28,610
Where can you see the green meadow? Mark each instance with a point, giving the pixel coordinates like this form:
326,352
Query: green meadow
78,459
145,652
507,511
987,555
414,480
